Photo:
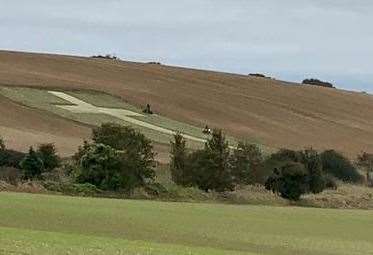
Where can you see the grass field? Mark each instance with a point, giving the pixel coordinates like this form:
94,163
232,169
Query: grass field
44,224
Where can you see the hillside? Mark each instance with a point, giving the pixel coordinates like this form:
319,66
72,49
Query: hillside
21,127
275,113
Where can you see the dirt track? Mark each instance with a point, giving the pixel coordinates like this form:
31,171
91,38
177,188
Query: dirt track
279,115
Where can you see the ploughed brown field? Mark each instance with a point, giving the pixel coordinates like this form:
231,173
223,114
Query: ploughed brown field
276,113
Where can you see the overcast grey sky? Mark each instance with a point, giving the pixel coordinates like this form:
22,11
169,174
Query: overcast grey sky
287,39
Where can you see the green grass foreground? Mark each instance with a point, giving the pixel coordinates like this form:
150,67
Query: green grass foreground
46,224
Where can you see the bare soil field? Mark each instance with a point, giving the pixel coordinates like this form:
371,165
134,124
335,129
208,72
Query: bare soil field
22,127
278,114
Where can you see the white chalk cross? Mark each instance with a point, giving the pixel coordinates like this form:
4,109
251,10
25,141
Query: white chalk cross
80,106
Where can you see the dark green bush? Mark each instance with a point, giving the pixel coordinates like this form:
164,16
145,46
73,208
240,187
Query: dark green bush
313,164
247,164
309,159
11,158
210,167
2,144
337,165
82,149
290,181
207,169
136,153
101,166
32,165
120,158
179,161
48,154
330,182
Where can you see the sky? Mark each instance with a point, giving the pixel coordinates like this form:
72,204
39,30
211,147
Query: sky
287,39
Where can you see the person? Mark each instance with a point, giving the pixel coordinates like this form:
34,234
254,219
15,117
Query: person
147,110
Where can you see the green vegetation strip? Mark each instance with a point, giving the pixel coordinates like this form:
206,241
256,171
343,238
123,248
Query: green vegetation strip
43,224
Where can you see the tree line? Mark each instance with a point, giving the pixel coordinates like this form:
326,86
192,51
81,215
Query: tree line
288,173
121,159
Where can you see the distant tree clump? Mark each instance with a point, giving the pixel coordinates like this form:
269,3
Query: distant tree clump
107,56
317,82
259,75
48,154
32,165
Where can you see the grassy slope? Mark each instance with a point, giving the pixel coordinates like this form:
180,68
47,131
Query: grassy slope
40,224
278,115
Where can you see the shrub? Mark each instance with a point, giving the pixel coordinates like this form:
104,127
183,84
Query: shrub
365,161
101,167
48,154
290,181
85,189
82,149
155,189
11,158
196,172
136,152
123,138
68,188
2,144
32,165
178,164
10,175
210,166
247,164
330,182
312,162
285,155
121,158
309,159
340,167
